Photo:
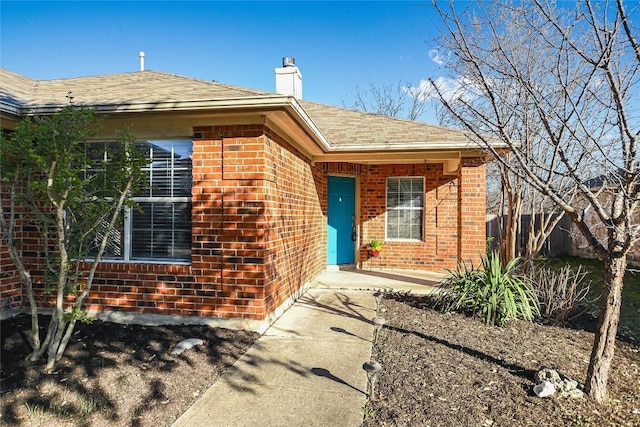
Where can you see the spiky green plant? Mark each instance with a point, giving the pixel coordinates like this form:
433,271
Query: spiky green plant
494,293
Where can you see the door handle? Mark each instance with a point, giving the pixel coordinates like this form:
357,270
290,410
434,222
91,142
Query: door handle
354,235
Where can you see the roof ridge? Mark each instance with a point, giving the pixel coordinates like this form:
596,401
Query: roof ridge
210,82
159,73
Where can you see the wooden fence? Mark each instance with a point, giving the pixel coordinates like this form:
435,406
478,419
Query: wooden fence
558,243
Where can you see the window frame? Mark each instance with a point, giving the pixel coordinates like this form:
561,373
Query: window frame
421,209
129,212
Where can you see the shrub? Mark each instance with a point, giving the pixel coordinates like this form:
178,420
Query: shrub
494,293
559,292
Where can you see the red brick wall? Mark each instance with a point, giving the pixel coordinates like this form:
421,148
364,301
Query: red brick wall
228,216
472,210
257,220
295,224
454,227
257,235
10,289
259,229
146,288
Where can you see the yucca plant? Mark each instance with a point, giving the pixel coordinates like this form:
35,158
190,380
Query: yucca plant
494,293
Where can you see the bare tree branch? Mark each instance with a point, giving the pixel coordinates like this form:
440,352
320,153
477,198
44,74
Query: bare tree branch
560,88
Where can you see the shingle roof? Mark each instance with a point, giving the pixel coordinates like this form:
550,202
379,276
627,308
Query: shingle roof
123,88
344,129
15,89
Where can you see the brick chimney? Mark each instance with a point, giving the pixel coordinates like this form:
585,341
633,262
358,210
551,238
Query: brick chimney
288,78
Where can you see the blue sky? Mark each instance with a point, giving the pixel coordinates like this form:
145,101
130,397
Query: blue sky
337,45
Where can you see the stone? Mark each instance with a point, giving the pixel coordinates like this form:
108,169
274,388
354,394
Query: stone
544,389
186,344
563,385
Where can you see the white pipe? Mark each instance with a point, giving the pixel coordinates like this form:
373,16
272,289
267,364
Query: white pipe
141,55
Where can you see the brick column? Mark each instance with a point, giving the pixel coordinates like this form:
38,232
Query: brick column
472,210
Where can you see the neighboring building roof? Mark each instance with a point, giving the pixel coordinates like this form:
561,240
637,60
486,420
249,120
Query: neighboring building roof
343,129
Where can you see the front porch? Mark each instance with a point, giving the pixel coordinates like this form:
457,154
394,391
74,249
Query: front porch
397,280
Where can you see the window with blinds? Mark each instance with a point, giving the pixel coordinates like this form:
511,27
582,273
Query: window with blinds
405,208
158,227
160,224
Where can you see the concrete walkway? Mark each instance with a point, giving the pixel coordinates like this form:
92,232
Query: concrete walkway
306,370
416,282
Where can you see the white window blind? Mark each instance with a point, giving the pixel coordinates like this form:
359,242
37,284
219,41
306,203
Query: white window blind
405,208
158,227
160,224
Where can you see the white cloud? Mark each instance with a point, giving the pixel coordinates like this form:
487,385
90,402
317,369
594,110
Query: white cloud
450,88
434,55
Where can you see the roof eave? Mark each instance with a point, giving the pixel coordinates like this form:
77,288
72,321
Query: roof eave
255,103
169,105
403,146
308,124
10,108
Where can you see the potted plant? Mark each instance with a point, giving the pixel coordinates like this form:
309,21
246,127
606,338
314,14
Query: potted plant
374,247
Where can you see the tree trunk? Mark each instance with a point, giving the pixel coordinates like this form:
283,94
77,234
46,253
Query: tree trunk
65,339
605,338
511,232
54,345
8,229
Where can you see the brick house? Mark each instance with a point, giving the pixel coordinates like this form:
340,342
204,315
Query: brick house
254,194
604,189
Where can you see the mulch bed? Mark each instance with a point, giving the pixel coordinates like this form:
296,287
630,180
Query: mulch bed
452,370
113,374
438,370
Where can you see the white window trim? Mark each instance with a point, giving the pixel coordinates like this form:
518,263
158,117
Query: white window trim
386,209
127,247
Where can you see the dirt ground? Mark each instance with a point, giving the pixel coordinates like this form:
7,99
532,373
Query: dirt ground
438,370
452,370
113,374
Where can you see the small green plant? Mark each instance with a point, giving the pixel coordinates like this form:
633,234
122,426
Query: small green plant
87,405
375,245
37,414
494,293
369,412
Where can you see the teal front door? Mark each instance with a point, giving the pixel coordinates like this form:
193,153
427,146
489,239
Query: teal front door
341,211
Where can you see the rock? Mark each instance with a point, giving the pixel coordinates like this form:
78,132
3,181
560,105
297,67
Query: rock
186,344
545,374
563,386
544,389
